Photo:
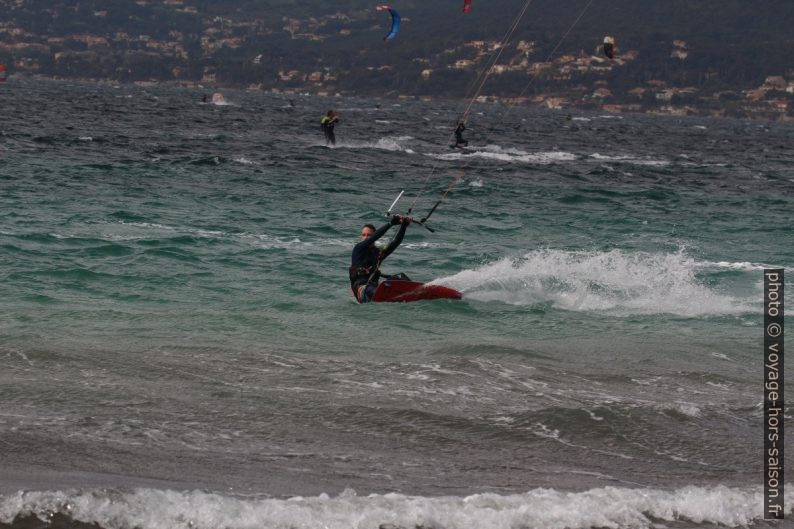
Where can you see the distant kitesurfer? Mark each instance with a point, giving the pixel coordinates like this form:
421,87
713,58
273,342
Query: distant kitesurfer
366,259
610,46
459,135
330,119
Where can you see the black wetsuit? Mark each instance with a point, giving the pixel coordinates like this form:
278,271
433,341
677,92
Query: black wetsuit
459,135
364,273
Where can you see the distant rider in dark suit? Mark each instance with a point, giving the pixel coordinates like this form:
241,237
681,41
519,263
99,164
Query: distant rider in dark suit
459,135
330,119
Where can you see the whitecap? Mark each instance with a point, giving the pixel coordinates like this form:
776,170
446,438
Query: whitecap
548,508
510,155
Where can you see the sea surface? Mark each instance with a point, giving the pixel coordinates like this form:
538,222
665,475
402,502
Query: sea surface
180,347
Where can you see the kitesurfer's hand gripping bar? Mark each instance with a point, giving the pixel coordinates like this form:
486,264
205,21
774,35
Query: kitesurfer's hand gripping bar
420,222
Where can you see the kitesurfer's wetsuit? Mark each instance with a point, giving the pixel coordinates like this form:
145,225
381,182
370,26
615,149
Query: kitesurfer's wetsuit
364,273
459,135
327,124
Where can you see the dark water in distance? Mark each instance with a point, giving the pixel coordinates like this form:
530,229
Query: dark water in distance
180,347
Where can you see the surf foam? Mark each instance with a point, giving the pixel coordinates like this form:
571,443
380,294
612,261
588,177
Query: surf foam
619,282
495,152
616,508
394,143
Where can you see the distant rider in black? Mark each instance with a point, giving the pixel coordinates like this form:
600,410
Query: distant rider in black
366,259
459,135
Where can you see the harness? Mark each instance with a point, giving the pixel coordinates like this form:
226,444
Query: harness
367,274
359,272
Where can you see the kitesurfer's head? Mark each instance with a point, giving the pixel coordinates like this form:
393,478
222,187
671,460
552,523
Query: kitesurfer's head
367,231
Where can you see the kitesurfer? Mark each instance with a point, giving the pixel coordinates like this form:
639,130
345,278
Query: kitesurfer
330,119
610,46
366,258
459,135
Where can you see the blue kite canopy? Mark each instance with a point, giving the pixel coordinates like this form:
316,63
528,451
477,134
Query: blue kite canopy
395,21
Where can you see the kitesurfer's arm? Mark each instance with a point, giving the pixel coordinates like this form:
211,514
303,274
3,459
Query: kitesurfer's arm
360,249
398,239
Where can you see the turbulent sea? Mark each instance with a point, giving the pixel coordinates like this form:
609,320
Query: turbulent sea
180,347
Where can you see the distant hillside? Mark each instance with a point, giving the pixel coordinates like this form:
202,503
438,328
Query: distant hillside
706,53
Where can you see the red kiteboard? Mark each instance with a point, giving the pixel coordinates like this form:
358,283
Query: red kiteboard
394,290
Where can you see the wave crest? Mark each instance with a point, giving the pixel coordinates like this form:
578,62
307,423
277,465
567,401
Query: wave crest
617,508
